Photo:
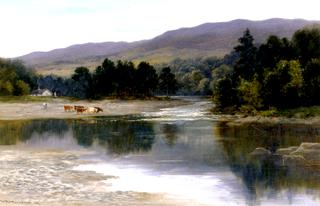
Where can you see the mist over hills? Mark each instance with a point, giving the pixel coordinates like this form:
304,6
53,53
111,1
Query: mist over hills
209,39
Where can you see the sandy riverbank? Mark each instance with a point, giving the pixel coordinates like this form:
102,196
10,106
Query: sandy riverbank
35,110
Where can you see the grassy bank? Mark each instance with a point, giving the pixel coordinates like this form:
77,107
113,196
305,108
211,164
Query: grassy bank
27,98
300,112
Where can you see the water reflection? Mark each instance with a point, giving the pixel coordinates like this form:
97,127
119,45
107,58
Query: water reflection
265,176
12,132
118,137
170,131
200,159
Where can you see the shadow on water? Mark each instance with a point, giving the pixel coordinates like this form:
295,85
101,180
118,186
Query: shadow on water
117,136
268,175
170,132
12,132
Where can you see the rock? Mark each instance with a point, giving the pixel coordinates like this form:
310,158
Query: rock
285,151
294,161
310,151
260,153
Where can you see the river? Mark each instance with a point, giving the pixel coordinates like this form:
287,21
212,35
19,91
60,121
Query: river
175,156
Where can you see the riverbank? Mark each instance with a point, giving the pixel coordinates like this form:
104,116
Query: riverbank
34,109
245,120
301,115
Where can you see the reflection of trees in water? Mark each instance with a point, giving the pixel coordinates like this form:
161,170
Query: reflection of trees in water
260,174
20,130
170,133
119,137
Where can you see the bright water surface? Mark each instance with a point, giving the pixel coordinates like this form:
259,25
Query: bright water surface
176,156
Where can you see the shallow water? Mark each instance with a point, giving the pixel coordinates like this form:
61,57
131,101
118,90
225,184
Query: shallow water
175,156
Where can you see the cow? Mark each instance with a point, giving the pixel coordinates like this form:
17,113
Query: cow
80,110
45,105
68,108
99,109
94,109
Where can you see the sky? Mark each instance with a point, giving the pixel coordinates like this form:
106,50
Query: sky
43,25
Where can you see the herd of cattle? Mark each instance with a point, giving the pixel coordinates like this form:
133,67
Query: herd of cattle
82,109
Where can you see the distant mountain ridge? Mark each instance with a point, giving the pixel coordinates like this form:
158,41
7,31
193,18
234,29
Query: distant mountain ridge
209,39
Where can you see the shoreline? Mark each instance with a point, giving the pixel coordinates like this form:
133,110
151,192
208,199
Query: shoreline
55,109
238,120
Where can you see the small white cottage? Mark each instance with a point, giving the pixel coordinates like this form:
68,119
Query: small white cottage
41,92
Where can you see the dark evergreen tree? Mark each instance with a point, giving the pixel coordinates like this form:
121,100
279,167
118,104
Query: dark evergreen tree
82,87
307,44
146,79
104,78
274,50
246,66
311,85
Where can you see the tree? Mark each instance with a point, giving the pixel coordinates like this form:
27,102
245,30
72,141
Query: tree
311,83
104,78
282,86
7,79
274,50
225,95
82,79
21,88
307,44
245,67
146,79
167,81
204,87
219,73
250,93
125,78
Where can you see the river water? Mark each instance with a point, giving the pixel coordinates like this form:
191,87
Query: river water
176,156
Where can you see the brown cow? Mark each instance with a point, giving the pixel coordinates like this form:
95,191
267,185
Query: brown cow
68,108
80,109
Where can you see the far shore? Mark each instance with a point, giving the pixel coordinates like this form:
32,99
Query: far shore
55,108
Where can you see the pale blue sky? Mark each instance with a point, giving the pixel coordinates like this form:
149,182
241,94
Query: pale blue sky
42,25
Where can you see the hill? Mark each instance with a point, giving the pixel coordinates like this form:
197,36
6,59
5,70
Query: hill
210,39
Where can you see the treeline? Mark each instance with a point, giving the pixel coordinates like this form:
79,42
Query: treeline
197,76
120,79
15,78
279,73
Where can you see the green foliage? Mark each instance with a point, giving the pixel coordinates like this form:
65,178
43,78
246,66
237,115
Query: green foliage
219,73
249,92
225,95
282,87
146,79
22,88
204,87
274,50
15,78
82,83
167,81
280,74
307,44
104,78
122,80
245,67
311,83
